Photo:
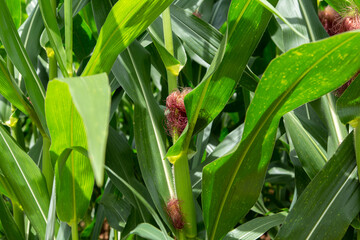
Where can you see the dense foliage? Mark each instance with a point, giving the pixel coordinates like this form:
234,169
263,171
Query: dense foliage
185,119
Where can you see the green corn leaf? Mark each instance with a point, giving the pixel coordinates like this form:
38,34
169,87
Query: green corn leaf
203,40
272,9
6,189
287,37
231,184
311,155
255,228
145,203
78,125
199,36
329,203
348,105
100,11
53,33
50,227
15,10
172,63
117,209
309,10
74,185
357,3
118,159
95,118
337,131
148,128
10,90
16,51
33,27
11,229
5,109
126,20
148,231
26,181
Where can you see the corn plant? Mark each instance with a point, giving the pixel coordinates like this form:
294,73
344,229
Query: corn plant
178,119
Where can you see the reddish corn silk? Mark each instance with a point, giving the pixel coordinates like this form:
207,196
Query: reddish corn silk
174,212
350,24
328,18
176,119
335,24
342,89
197,14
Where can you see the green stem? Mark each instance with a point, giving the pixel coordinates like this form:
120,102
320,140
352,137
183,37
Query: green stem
68,36
326,109
169,45
181,166
19,218
116,235
180,235
168,38
74,231
52,64
357,144
185,196
50,52
47,167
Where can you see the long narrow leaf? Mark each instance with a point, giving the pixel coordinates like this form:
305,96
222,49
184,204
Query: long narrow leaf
348,105
118,159
272,9
145,203
330,202
148,231
311,155
256,228
199,36
16,51
26,180
15,10
50,227
11,229
172,63
33,27
126,20
10,90
149,132
227,194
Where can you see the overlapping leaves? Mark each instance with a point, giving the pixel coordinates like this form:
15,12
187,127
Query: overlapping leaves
286,84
